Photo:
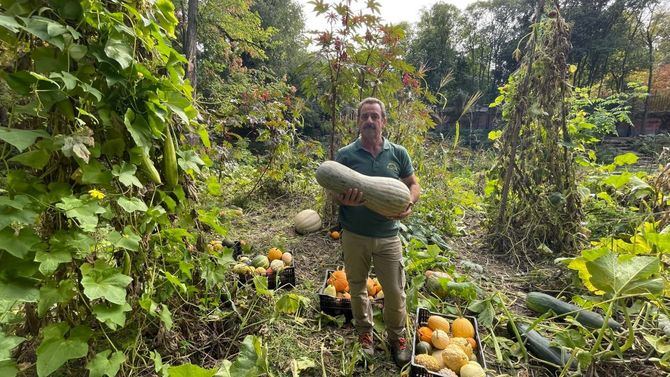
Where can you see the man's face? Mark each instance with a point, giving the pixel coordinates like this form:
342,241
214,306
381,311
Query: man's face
370,121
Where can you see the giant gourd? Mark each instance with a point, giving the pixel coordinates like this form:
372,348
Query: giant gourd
384,195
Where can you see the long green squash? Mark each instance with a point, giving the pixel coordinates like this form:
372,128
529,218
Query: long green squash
542,303
539,346
384,195
170,160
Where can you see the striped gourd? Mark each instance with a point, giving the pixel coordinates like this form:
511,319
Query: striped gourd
384,195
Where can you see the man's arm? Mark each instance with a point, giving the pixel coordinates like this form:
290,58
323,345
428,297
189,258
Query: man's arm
412,183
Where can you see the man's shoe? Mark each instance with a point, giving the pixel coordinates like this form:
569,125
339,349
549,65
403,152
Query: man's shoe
400,353
367,343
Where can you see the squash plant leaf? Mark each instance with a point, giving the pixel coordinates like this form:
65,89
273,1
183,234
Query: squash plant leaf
51,294
105,365
21,139
126,175
103,281
19,245
620,275
55,349
290,303
252,360
190,370
111,315
8,368
7,344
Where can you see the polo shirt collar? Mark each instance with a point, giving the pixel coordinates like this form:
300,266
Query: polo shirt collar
387,144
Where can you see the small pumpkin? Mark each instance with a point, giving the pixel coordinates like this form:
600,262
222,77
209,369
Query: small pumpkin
335,235
454,357
274,254
287,258
473,343
277,265
425,333
423,347
472,369
339,280
439,339
463,343
436,322
462,328
428,362
330,291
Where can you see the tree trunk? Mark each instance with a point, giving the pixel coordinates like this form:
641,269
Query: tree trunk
650,46
191,41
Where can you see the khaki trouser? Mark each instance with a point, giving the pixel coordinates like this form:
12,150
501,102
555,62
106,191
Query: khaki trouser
386,256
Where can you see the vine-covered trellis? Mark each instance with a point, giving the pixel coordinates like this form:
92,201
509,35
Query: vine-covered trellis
538,208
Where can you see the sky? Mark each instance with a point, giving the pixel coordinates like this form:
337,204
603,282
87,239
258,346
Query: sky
393,11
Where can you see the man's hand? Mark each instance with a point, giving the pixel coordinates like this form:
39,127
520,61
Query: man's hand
403,214
352,197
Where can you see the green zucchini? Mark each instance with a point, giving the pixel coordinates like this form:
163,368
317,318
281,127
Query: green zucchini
539,346
542,303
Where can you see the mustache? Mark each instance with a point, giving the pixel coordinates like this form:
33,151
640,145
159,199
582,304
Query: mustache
368,125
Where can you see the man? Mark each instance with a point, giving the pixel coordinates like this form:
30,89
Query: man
369,237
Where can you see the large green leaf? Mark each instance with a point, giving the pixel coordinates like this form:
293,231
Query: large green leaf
625,159
7,344
19,244
103,281
128,240
126,174
55,349
190,370
85,212
52,294
290,303
36,159
166,16
131,205
9,23
138,127
252,360
21,139
49,260
625,274
16,211
95,173
19,289
8,368
105,365
112,315
119,49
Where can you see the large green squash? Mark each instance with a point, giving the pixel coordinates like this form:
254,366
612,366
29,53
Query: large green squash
542,303
384,195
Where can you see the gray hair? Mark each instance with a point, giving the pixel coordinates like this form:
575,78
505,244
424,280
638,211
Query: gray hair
371,100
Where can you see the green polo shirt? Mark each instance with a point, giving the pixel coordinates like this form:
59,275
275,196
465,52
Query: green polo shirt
393,161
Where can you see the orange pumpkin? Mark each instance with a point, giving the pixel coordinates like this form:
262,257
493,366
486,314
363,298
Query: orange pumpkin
335,235
425,334
472,342
371,287
274,253
462,328
339,280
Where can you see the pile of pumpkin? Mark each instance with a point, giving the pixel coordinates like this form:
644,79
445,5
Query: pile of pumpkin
337,286
448,349
275,261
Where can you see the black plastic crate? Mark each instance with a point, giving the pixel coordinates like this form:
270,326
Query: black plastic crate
340,306
422,315
286,278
